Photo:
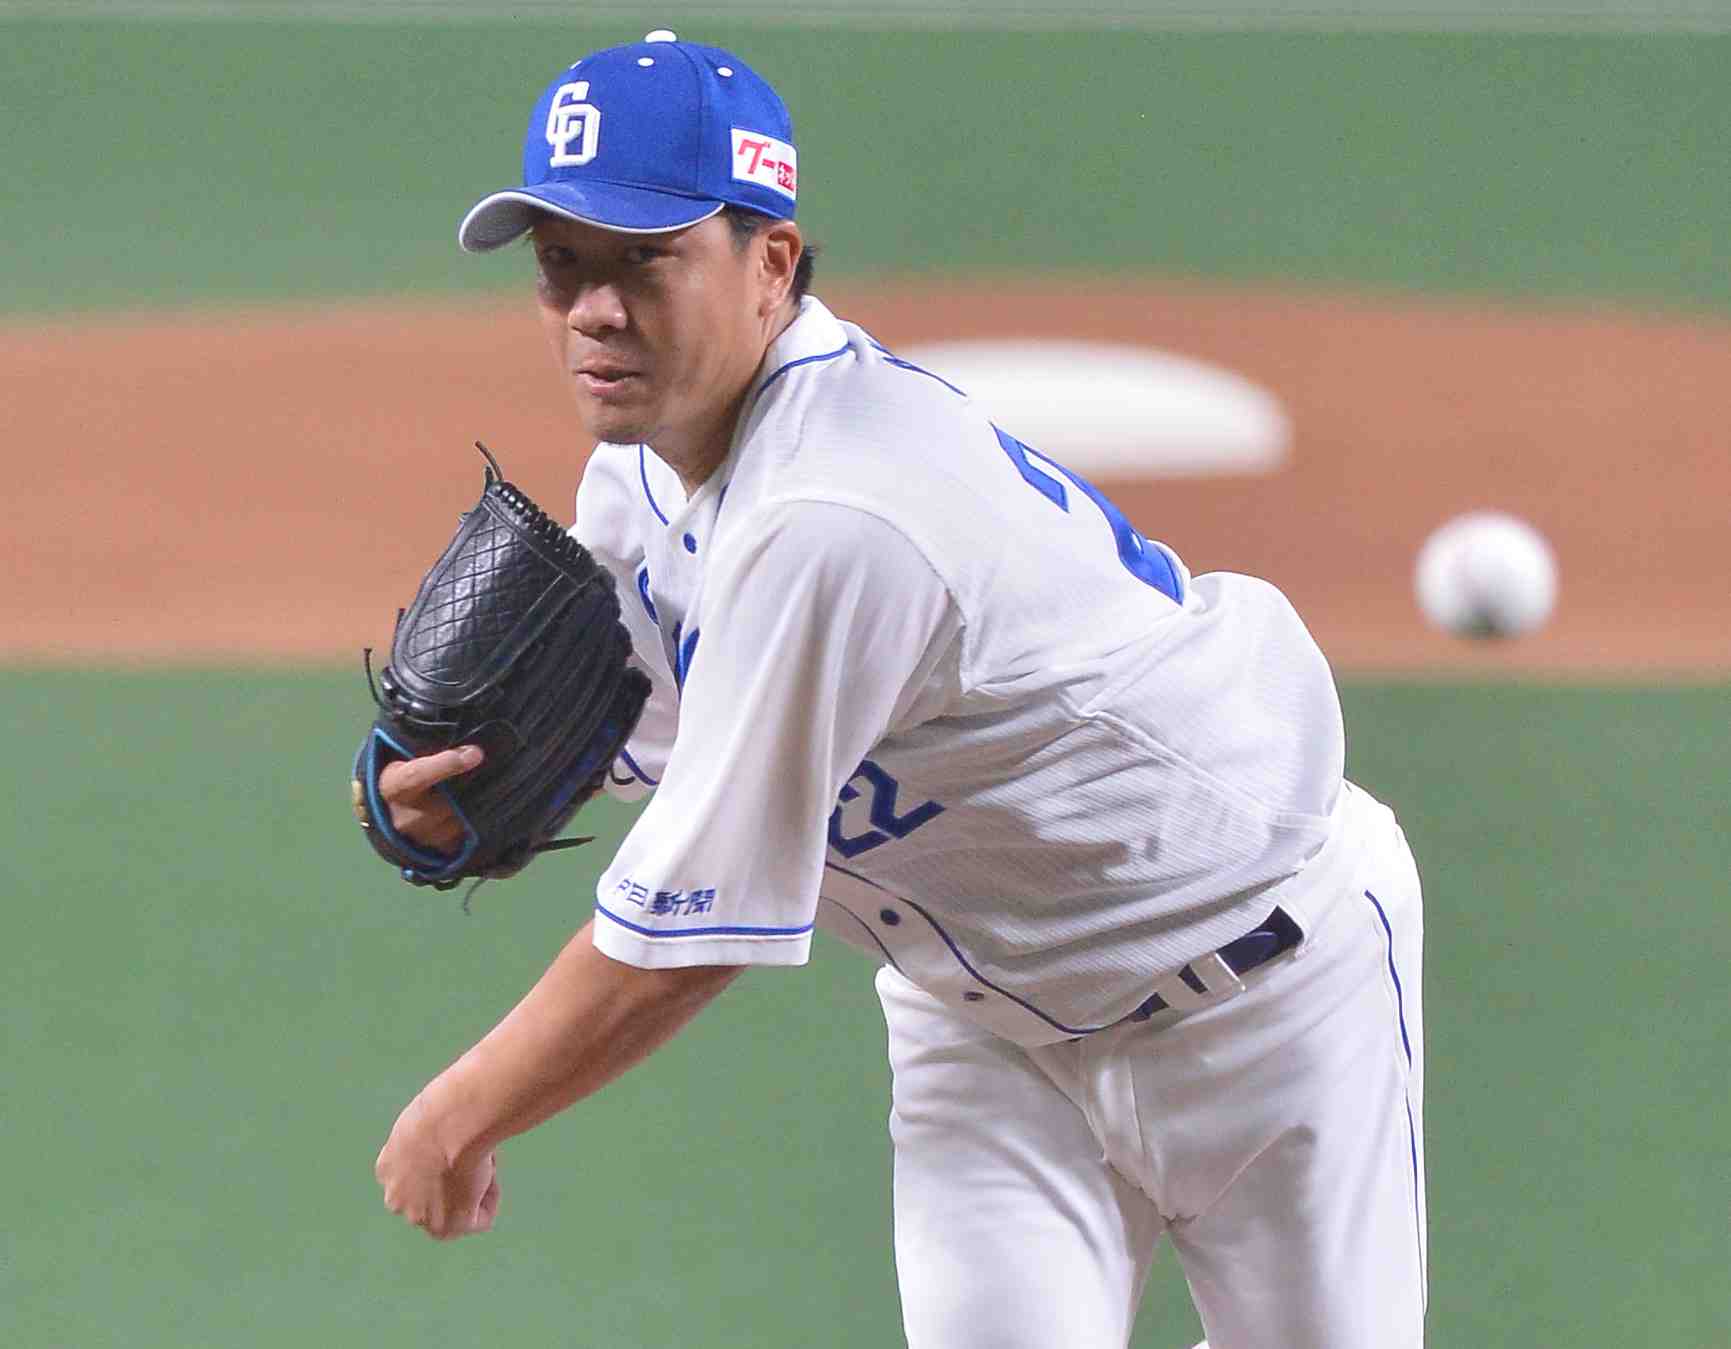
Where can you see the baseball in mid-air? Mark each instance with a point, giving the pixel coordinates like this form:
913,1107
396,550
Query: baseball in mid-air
1486,574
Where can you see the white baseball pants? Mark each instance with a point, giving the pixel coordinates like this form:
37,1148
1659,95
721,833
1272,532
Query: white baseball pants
1276,1138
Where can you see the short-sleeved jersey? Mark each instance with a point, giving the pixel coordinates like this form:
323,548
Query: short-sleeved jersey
920,685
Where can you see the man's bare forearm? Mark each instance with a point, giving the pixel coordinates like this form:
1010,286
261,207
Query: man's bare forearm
587,1020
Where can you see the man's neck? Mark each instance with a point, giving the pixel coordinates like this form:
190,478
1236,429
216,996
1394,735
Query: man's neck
697,460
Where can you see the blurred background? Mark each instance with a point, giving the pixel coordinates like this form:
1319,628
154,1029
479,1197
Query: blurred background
1427,261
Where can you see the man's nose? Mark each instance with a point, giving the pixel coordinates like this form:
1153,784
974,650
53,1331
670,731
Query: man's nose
596,308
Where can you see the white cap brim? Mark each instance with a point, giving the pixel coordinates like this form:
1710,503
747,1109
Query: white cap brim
498,219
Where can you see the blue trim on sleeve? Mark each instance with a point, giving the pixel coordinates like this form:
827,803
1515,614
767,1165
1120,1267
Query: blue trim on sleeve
842,350
643,472
632,764
956,951
704,931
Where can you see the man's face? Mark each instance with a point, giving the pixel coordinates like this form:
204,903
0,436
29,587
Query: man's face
659,334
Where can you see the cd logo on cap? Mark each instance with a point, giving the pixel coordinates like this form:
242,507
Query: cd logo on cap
569,119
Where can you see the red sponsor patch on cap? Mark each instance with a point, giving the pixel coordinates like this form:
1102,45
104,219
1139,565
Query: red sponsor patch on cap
762,159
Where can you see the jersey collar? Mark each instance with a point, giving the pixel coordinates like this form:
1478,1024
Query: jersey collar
816,335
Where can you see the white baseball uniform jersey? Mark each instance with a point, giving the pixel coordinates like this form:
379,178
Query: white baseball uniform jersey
920,685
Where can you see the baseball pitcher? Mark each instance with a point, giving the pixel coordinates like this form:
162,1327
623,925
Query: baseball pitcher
1150,966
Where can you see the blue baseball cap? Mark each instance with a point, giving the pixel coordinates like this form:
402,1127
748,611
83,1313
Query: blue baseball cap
651,136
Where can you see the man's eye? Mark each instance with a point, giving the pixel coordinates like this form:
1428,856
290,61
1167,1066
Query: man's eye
642,254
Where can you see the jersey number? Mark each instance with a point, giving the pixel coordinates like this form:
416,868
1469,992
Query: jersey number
1142,559
888,824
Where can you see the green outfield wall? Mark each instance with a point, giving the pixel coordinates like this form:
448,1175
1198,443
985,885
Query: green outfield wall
153,163
1468,15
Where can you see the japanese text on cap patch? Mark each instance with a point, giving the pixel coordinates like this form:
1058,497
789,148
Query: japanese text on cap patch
764,160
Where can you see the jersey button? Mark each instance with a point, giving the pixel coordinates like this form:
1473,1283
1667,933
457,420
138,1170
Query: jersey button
691,543
973,995
889,917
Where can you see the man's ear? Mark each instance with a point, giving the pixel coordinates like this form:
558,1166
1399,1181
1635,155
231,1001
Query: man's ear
779,249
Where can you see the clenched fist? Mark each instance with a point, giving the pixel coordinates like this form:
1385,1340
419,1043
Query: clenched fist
445,1197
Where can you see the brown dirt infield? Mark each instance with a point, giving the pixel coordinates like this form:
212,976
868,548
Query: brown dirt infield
268,485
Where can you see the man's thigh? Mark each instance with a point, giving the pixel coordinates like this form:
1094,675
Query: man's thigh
1011,1230
1294,1179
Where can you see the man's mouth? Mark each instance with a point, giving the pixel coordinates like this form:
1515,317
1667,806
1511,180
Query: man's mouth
602,379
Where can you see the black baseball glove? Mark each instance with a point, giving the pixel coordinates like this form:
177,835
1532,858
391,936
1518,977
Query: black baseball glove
513,643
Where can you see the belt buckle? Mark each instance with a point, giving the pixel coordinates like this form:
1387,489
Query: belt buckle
1212,979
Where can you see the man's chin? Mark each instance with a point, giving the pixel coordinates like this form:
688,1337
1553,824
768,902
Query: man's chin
621,435
616,426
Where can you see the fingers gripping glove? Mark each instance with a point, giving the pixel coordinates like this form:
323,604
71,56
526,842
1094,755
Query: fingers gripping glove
513,643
